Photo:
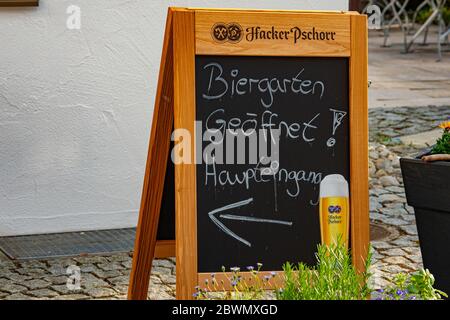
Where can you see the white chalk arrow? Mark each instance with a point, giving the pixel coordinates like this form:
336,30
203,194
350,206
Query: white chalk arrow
222,227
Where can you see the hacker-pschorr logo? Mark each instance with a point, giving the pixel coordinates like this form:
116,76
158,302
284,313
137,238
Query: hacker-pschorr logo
223,32
233,32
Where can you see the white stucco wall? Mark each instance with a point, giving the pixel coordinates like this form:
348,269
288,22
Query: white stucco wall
76,109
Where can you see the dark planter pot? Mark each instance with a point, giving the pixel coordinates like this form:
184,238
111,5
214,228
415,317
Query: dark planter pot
427,187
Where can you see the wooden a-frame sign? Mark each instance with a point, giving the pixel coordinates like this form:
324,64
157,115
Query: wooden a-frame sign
190,33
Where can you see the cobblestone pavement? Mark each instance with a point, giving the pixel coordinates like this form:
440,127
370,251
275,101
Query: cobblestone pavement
106,277
400,251
388,124
102,277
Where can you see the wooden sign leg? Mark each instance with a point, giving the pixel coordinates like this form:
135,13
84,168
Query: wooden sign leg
158,152
359,167
185,177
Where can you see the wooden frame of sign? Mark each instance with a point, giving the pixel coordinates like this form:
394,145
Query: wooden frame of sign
19,3
187,34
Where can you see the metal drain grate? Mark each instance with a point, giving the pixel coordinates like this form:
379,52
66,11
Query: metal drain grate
68,244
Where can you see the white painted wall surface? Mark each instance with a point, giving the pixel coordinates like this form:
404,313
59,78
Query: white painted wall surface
76,109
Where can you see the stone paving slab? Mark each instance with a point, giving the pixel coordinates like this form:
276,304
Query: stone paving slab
413,79
423,139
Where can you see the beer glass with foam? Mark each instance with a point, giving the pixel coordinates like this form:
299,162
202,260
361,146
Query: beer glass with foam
334,209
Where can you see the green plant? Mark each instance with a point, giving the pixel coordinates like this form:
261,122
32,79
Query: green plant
382,138
421,283
251,288
333,278
443,144
446,15
424,14
418,285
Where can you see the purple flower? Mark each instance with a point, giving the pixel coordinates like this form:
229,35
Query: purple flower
400,292
195,294
266,278
250,268
234,283
273,274
213,275
235,269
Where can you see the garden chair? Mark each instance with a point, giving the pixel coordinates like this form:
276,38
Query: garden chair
436,15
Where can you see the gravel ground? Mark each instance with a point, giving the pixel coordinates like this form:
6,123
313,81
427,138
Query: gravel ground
106,277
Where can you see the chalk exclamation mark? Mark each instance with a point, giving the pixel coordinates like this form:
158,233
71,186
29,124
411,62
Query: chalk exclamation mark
338,116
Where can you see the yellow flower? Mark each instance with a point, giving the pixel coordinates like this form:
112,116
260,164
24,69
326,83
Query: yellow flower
445,125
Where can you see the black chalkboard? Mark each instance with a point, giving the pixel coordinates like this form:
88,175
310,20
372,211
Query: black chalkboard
166,223
310,97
